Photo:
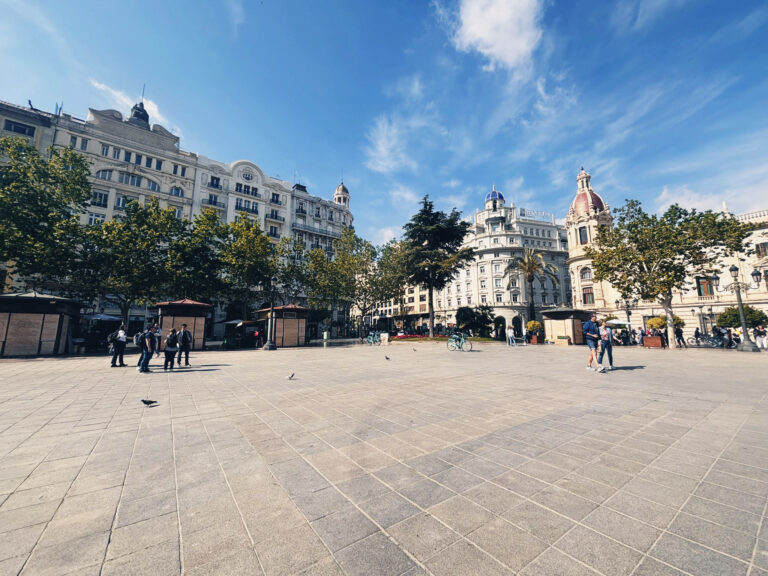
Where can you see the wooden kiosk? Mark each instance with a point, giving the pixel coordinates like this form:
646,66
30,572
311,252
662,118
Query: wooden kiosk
36,324
193,314
290,325
563,325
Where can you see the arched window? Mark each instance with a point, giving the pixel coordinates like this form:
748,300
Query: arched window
583,235
177,191
152,185
586,274
587,296
104,174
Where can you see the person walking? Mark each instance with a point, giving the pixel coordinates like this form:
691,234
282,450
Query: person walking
761,337
511,337
185,343
171,347
679,338
118,347
148,347
158,338
697,335
592,336
606,345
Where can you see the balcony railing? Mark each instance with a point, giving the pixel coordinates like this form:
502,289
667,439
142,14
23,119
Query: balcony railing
275,201
275,217
274,235
120,207
314,246
214,203
305,228
249,209
99,204
213,185
301,211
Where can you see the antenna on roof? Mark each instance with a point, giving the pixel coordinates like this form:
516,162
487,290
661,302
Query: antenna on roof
143,86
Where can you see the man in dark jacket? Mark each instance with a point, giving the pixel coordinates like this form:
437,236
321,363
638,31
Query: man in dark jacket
148,344
185,344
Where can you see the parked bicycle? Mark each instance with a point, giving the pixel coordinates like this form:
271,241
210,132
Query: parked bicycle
459,341
374,339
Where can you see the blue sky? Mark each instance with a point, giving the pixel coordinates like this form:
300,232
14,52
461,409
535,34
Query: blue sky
661,100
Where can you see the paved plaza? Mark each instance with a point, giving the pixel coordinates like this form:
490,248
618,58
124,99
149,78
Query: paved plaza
497,461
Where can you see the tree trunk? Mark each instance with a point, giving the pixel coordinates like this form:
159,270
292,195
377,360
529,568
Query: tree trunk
531,303
666,302
431,313
125,310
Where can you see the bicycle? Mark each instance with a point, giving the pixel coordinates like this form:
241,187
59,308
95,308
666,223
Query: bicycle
459,342
374,339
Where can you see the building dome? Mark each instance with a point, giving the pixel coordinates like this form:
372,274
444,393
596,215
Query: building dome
341,189
494,195
587,201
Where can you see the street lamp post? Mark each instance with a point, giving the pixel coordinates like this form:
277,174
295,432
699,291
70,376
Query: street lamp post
746,344
270,344
701,318
628,306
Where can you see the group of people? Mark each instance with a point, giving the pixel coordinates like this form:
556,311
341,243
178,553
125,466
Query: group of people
176,342
599,337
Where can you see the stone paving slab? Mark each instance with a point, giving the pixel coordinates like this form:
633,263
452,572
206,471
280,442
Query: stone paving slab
497,461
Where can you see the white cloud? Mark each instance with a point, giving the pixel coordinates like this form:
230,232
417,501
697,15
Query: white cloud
452,183
403,195
409,88
123,103
738,30
236,14
505,33
386,152
383,235
458,201
620,129
687,198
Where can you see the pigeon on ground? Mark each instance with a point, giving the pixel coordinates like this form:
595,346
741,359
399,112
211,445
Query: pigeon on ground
149,402
291,376
414,349
387,357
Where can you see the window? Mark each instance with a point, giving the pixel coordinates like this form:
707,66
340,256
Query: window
330,216
513,283
422,298
482,269
497,283
704,287
99,198
410,299
158,164
175,169
152,185
496,268
583,235
275,199
183,171
148,162
177,191
761,249
515,297
411,290
587,296
127,156
449,301
498,298
104,174
138,159
586,274
482,283
469,300
247,176
317,212
215,182
104,150
273,232
83,144
495,240
129,179
72,139
121,201
178,212
483,299
116,153
239,187
458,301
458,288
96,219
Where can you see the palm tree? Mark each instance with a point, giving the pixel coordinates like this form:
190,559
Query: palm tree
533,267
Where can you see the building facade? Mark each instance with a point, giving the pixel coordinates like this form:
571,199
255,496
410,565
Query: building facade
698,304
499,233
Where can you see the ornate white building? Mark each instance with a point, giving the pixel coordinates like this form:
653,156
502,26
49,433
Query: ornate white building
701,301
499,233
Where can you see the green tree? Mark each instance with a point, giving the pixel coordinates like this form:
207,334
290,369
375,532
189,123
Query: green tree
392,276
126,261
194,263
729,317
533,267
40,203
291,269
248,264
434,240
649,256
660,322
479,319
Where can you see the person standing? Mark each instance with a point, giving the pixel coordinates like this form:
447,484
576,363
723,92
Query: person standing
185,343
592,336
697,335
679,338
511,337
606,345
148,348
118,347
761,337
171,347
158,338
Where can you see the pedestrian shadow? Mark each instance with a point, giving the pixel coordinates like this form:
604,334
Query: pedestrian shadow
185,370
617,368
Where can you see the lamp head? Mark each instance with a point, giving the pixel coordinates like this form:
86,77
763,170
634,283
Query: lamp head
734,270
756,276
715,280
617,303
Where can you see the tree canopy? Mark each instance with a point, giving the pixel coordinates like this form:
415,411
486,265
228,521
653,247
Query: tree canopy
434,249
533,267
729,317
648,256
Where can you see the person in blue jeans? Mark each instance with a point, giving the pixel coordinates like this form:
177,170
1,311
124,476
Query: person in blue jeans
606,345
147,348
592,336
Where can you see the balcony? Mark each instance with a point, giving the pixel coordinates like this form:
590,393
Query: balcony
301,212
275,235
314,246
274,217
214,203
98,204
275,201
316,216
305,228
249,209
252,193
213,185
120,207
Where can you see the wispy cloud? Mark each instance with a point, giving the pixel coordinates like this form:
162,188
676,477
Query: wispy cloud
742,28
383,235
386,150
236,14
452,183
409,88
505,33
123,102
635,15
687,198
403,195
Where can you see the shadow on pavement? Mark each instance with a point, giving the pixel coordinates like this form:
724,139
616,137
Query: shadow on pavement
617,368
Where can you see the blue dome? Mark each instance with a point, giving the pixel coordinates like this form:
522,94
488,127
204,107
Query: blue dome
494,195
